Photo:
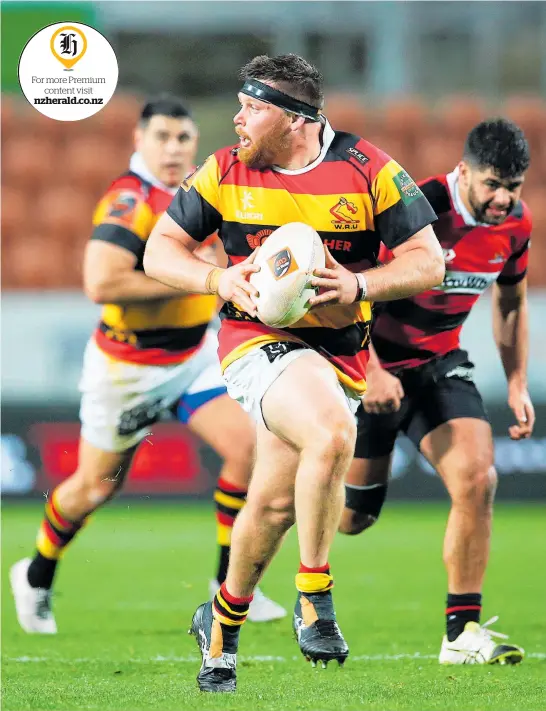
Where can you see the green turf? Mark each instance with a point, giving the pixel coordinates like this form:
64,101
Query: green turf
130,583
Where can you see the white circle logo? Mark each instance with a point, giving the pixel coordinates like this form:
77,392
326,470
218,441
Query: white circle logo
68,71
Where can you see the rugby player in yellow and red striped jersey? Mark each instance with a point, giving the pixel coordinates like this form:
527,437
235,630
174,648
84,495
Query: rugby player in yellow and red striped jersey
153,354
301,384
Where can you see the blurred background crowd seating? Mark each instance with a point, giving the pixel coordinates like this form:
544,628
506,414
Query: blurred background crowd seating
54,172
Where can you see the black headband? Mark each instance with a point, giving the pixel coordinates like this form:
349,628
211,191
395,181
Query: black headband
264,92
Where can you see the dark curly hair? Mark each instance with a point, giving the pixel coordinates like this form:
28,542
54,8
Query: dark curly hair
498,144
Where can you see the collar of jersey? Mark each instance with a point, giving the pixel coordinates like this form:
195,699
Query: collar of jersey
453,185
327,138
138,166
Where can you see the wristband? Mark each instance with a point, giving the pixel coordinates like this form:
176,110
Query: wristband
212,280
362,288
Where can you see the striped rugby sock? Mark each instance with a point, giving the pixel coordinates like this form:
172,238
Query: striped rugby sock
229,500
55,533
229,610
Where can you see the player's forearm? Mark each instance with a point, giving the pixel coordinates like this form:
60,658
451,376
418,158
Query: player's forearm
373,360
170,263
129,287
412,272
511,332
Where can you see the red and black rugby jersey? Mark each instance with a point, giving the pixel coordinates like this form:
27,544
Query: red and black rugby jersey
355,197
150,332
412,331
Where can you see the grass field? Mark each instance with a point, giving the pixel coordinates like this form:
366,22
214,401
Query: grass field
129,585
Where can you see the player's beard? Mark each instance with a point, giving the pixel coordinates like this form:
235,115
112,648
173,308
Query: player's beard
270,149
479,210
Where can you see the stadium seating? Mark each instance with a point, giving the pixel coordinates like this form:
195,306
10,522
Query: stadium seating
54,172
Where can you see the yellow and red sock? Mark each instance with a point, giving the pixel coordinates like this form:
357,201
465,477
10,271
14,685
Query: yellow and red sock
314,580
55,533
228,609
229,501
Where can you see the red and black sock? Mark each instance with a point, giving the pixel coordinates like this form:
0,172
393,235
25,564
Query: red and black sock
460,610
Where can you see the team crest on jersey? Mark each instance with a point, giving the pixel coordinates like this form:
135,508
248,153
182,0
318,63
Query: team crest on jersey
408,189
122,206
282,263
258,239
344,212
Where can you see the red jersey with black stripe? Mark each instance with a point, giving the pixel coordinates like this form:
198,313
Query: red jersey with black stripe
412,331
354,195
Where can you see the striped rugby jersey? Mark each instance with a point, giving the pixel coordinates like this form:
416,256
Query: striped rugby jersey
155,332
355,197
412,331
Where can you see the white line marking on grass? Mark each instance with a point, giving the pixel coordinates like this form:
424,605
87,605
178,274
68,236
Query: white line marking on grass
256,659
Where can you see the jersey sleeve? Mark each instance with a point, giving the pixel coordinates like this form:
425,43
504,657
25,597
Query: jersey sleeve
515,268
123,218
400,208
195,207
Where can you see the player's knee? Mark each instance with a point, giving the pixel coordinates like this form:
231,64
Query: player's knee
362,507
354,522
336,440
478,483
278,513
92,492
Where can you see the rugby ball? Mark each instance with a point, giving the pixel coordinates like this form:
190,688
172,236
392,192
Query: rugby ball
287,259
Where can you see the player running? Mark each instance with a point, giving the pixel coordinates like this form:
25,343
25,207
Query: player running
300,384
153,354
420,381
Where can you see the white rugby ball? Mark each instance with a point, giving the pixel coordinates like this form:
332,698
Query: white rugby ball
287,259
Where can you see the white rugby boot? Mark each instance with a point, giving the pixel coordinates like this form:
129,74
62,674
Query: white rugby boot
476,645
33,605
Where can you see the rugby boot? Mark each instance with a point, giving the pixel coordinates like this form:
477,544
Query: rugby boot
316,629
476,645
33,605
218,647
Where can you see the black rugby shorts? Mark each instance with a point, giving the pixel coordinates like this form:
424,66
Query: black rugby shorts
439,391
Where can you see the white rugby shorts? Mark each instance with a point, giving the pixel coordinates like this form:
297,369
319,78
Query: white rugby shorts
249,378
120,401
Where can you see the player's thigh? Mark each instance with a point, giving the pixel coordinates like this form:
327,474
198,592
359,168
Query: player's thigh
459,440
306,404
226,427
211,414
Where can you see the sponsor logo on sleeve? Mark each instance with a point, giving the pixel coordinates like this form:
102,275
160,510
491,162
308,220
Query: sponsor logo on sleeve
408,189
